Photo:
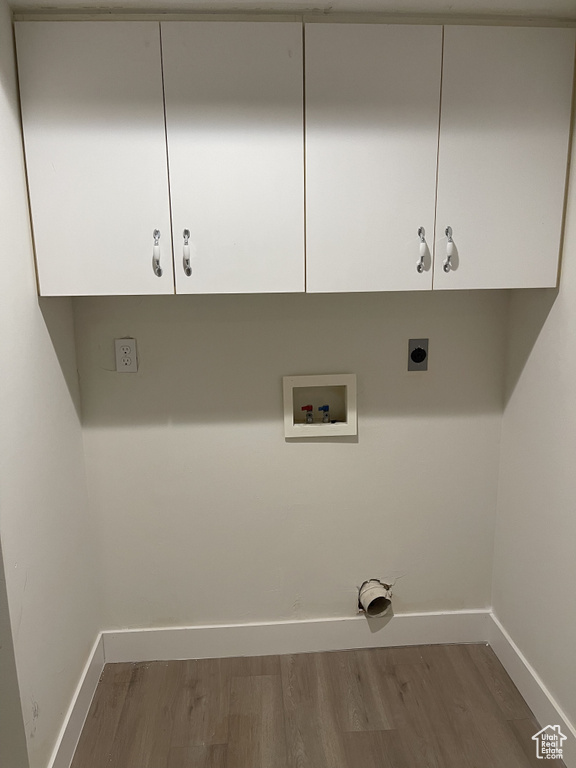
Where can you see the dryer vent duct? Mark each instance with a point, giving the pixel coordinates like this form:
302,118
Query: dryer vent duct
374,598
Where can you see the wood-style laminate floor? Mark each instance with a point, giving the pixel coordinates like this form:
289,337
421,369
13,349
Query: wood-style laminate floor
450,706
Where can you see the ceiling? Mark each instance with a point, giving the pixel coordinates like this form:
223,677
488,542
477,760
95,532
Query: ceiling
550,9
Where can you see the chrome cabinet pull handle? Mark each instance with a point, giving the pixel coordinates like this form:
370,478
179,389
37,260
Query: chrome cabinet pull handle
421,235
447,266
186,253
156,254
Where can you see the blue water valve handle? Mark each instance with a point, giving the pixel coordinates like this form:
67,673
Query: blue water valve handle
326,417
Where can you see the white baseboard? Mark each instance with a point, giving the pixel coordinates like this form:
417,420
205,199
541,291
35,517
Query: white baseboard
78,709
218,641
545,708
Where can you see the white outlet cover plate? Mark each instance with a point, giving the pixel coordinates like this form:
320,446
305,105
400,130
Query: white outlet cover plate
126,355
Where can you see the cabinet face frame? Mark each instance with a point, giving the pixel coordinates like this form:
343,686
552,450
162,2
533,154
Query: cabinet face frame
503,154
234,119
93,121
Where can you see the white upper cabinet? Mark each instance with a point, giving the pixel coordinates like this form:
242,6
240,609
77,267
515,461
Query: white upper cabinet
409,128
372,110
234,120
96,156
506,101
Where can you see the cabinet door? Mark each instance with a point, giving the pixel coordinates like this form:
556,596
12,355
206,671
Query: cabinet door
372,108
234,122
506,102
96,156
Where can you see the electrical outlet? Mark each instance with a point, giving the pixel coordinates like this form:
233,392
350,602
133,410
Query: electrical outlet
126,356
418,355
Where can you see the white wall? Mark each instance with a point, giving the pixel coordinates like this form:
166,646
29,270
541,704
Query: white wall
205,512
44,523
13,752
535,562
